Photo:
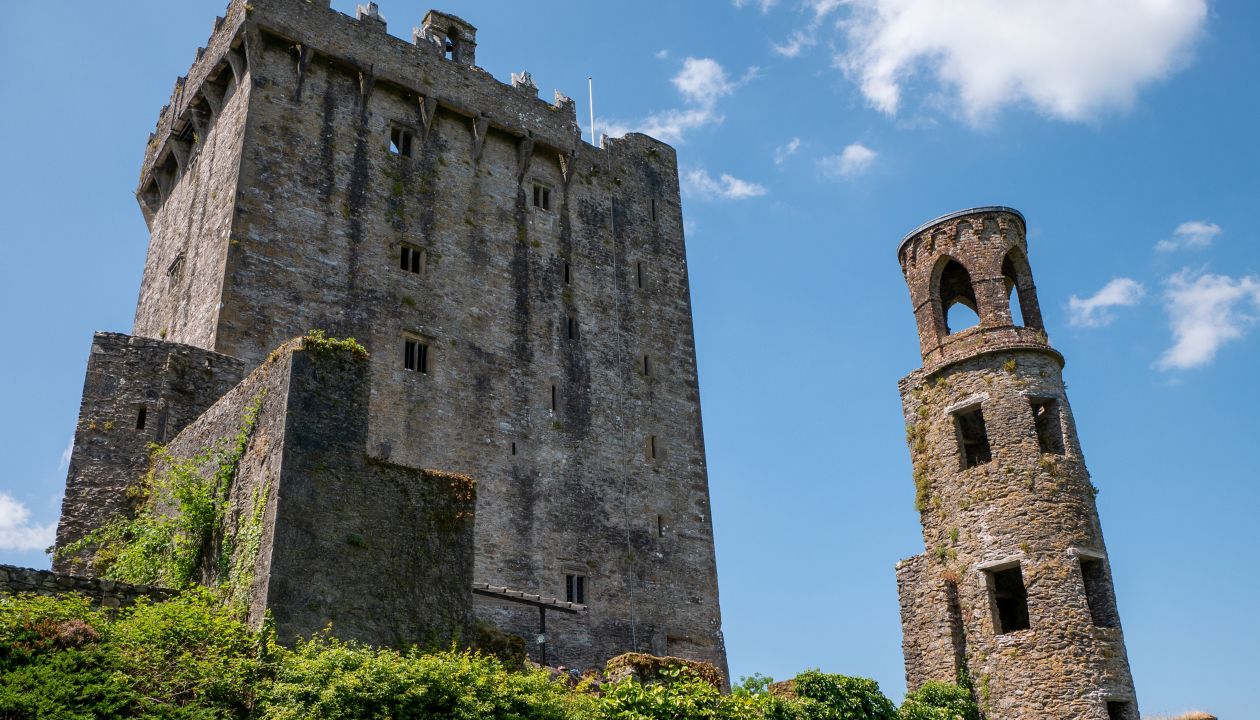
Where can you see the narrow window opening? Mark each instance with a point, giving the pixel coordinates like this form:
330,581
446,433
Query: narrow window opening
647,366
542,197
638,269
141,417
567,274
553,397
571,328
1049,426
412,259
175,270
957,298
415,355
1102,607
400,141
651,447
1019,288
575,589
660,526
973,439
653,209
1010,600
1117,710
513,448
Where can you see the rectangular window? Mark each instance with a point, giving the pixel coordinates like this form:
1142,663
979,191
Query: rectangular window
650,450
1049,428
542,197
567,274
412,259
1010,600
1102,607
653,209
141,417
646,366
553,397
400,141
575,589
638,271
972,437
415,355
571,328
660,526
175,270
513,448
1117,710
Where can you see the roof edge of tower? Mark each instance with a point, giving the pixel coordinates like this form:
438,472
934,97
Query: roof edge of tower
957,214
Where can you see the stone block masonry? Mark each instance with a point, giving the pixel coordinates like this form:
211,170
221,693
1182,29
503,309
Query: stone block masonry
1015,588
524,296
106,593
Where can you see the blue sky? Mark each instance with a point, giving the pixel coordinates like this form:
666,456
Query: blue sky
811,136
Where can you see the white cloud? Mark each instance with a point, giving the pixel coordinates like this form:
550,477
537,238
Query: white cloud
701,82
1192,234
726,187
661,54
783,152
808,35
851,162
16,530
1205,311
1070,59
1093,310
764,5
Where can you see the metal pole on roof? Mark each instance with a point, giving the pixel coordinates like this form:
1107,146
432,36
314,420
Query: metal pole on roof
590,89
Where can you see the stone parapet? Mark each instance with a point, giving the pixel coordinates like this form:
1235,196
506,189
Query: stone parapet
106,593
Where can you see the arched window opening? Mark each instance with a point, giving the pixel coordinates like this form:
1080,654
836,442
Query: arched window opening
452,43
1020,290
958,298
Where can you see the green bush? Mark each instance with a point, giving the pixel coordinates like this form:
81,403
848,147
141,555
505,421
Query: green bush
940,701
839,697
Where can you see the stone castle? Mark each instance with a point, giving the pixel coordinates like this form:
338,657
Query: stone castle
1015,589
522,444
524,299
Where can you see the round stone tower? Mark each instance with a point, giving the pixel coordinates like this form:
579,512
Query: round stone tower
1014,591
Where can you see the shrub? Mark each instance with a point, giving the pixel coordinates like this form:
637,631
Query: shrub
839,697
940,701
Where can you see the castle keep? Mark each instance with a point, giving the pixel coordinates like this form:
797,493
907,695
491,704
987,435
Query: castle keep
1015,588
524,299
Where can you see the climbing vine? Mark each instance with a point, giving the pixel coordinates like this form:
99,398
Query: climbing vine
182,503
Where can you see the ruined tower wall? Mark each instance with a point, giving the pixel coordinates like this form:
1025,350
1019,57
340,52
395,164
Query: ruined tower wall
136,391
1025,503
323,211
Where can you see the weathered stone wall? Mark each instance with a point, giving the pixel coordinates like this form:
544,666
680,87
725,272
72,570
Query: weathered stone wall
1023,507
323,209
106,593
170,384
932,640
380,551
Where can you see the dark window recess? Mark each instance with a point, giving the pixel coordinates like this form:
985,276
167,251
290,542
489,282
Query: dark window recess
660,526
575,589
1102,606
542,197
513,448
411,259
553,397
650,451
571,328
141,417
653,209
1049,428
638,271
1117,710
1010,599
972,437
567,274
647,366
175,270
400,141
415,356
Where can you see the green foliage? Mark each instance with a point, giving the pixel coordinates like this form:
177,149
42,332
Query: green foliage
173,535
754,684
839,697
318,341
940,701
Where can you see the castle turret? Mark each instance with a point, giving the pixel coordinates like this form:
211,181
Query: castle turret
1015,588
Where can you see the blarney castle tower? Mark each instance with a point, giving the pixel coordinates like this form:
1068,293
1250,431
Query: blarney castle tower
524,299
1015,588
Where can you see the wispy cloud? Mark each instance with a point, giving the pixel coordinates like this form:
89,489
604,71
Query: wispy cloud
17,532
764,5
698,182
785,151
807,35
1070,59
702,82
851,162
1192,234
1094,311
1205,311
661,54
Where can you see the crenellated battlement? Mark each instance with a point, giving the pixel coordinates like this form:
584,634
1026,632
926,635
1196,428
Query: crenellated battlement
436,70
